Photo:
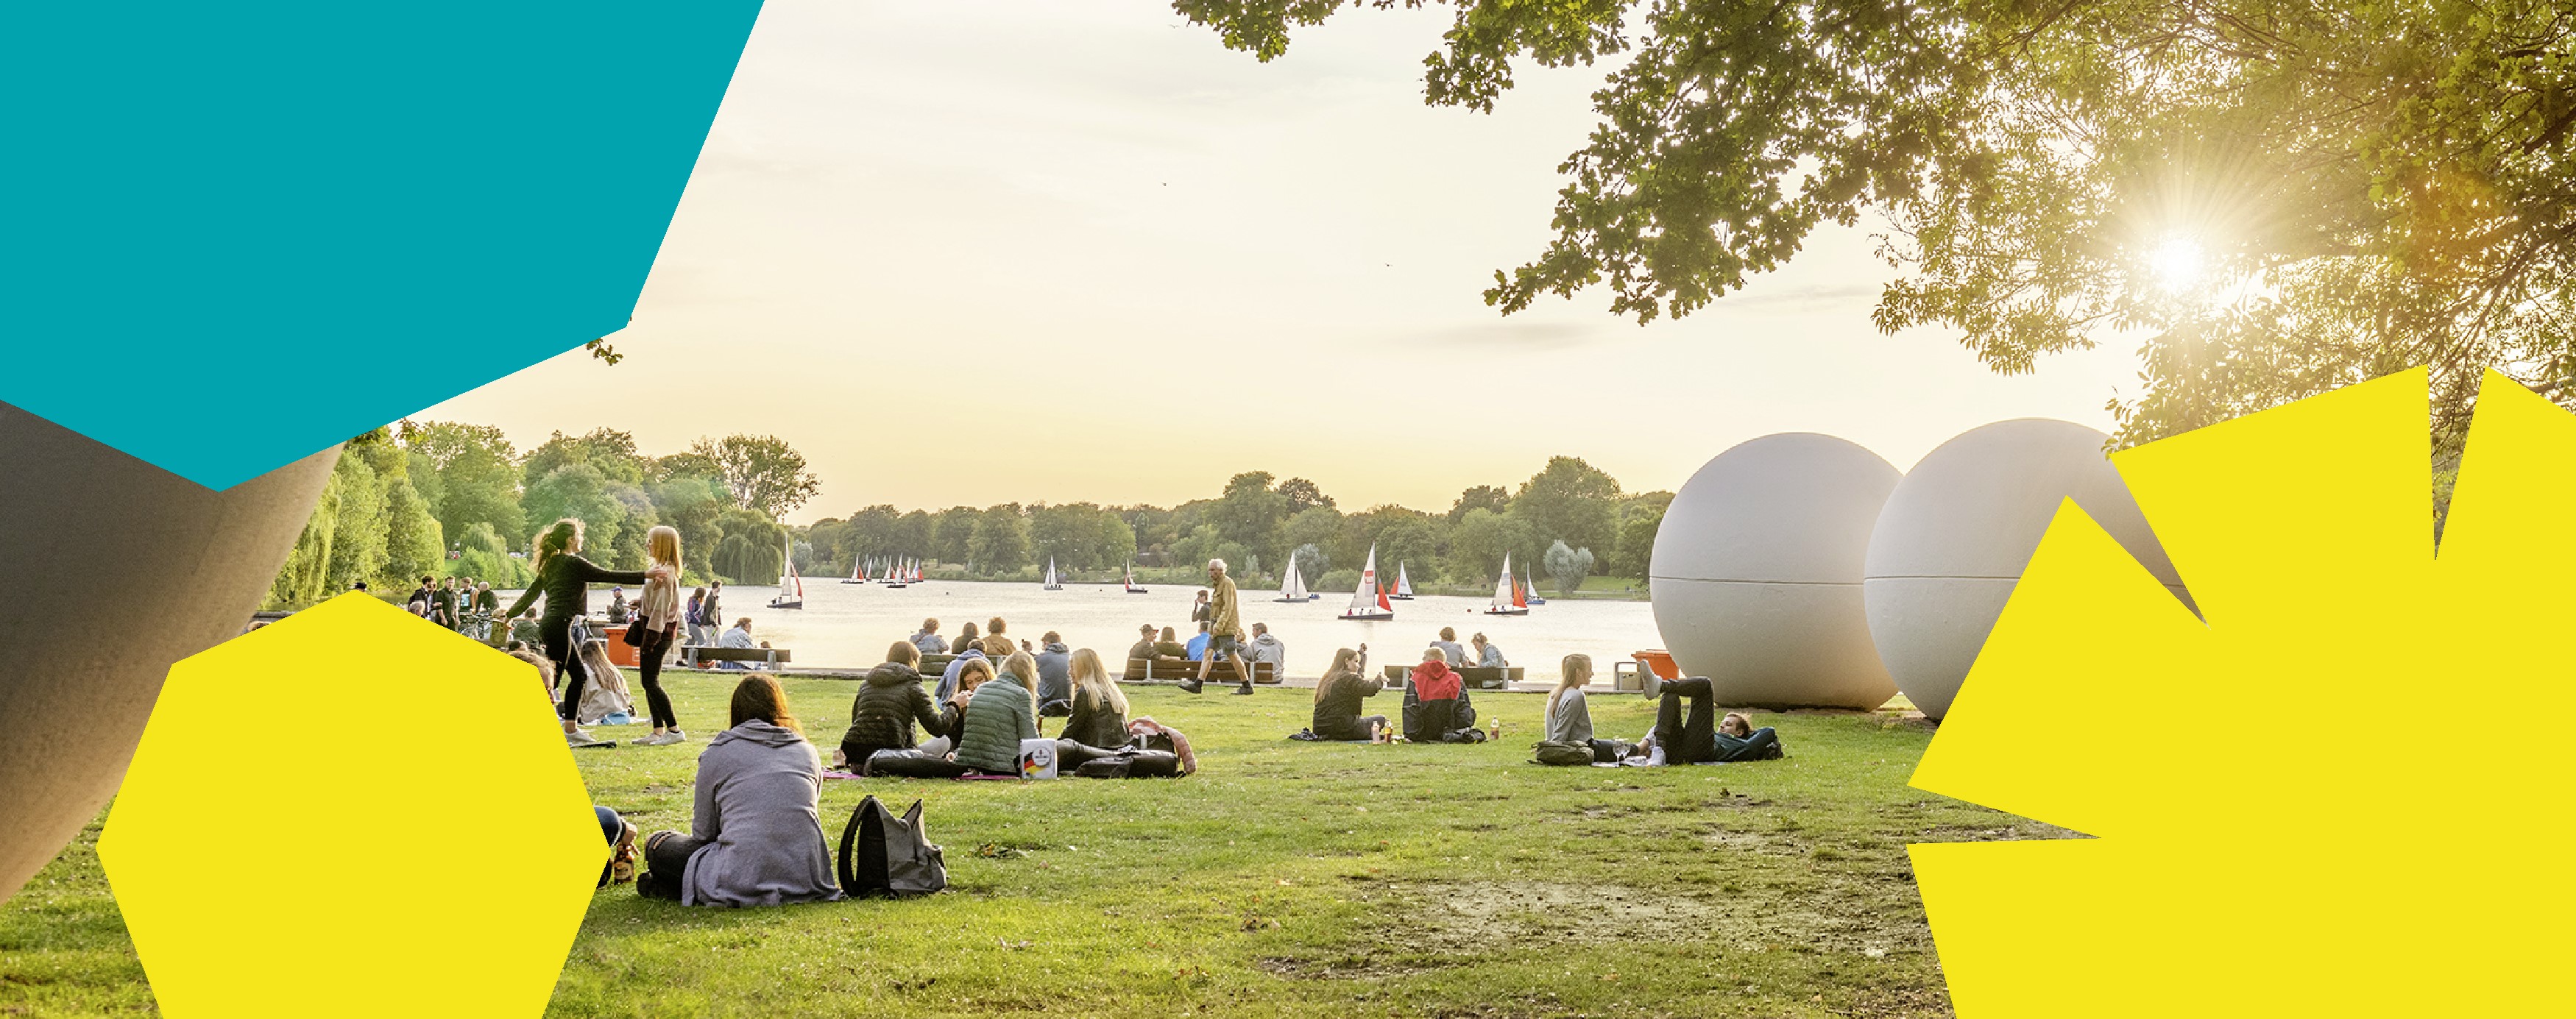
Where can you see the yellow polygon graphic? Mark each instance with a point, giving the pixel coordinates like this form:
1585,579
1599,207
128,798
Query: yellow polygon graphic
273,860
2343,793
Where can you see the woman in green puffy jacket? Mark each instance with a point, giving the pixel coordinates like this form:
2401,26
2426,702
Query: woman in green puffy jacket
998,716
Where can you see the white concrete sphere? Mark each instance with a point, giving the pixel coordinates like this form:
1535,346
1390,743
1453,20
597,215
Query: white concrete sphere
1955,535
1757,573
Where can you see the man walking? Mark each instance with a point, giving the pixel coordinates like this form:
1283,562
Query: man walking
1225,631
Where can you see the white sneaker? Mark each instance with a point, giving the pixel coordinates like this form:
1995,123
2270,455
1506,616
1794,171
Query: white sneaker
578,737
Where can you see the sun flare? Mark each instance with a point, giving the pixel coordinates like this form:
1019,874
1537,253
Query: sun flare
2179,263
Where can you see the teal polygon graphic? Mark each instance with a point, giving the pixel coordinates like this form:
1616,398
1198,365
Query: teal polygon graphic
236,233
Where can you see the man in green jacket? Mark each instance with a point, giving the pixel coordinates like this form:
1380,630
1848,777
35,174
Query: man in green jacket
1225,631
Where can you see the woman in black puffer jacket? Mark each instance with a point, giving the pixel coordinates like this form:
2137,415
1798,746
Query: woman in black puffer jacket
882,716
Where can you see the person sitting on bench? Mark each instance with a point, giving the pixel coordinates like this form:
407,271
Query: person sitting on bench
1337,699
1198,645
928,641
1170,647
738,638
1140,651
1490,657
883,714
1435,688
1692,738
755,834
1097,725
998,715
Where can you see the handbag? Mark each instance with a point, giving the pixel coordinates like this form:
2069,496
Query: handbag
635,634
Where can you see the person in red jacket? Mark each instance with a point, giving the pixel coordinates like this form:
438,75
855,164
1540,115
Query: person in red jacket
1435,691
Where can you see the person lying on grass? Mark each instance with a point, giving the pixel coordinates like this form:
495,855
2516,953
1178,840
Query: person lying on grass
1337,700
889,702
1690,738
756,834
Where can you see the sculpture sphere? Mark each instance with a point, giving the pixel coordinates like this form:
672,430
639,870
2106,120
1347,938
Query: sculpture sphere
1954,537
1757,573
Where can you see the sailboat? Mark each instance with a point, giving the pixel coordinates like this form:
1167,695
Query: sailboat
1532,588
896,575
1294,589
1508,600
1051,583
1131,579
1403,585
858,572
791,588
1367,602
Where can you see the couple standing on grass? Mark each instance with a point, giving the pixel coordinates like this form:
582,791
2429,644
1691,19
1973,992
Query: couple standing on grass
564,579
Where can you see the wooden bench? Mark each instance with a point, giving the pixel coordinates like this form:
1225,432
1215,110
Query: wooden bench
1168,670
693,656
1476,677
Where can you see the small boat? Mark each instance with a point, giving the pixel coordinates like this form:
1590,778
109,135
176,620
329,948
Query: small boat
858,573
1367,602
1508,599
1295,587
898,575
1403,585
791,588
1051,583
1130,580
1532,588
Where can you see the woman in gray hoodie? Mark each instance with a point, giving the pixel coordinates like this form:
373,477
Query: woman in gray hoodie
756,837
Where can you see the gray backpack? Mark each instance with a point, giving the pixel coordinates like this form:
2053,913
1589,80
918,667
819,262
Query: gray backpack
1548,751
887,856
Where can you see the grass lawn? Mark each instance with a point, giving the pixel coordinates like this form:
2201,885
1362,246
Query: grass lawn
1285,879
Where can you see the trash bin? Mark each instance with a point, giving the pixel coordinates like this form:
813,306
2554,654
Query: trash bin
620,653
1659,660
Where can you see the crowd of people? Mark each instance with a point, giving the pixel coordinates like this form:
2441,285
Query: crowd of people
755,836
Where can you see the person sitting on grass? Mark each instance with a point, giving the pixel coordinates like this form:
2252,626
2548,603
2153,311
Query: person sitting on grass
966,651
1435,689
1337,699
621,847
1097,723
998,715
1055,676
755,834
1690,737
890,701
1569,719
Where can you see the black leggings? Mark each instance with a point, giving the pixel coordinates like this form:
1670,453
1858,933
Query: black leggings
666,861
656,644
1693,739
556,635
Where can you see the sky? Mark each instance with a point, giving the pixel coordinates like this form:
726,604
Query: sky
965,254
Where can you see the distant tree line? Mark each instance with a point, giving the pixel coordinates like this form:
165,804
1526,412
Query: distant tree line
447,499
1257,521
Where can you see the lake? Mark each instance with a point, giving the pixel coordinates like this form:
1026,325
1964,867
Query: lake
848,626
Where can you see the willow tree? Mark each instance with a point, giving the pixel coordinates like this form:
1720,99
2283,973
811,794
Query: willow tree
2271,197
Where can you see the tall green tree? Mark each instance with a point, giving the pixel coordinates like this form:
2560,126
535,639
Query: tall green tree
1481,539
2275,197
1492,497
1249,513
1635,554
1570,501
952,534
608,450
1303,495
469,474
1567,566
999,541
579,491
763,471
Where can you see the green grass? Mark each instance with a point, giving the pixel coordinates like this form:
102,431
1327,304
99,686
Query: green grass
1285,879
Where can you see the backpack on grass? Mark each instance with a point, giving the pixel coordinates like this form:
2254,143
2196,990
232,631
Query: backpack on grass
1548,751
886,856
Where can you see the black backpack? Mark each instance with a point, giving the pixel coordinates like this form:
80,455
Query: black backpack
886,856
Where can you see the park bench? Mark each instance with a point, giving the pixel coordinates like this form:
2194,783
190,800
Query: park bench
1168,670
693,656
1476,677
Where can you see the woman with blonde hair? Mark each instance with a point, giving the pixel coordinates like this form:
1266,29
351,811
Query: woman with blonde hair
1569,718
1338,696
1099,717
564,579
658,617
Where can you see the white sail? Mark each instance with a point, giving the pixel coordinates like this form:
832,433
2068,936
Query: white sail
1364,599
1503,587
1294,589
1403,583
1051,583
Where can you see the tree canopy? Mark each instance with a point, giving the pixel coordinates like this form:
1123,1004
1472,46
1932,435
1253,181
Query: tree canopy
2272,197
